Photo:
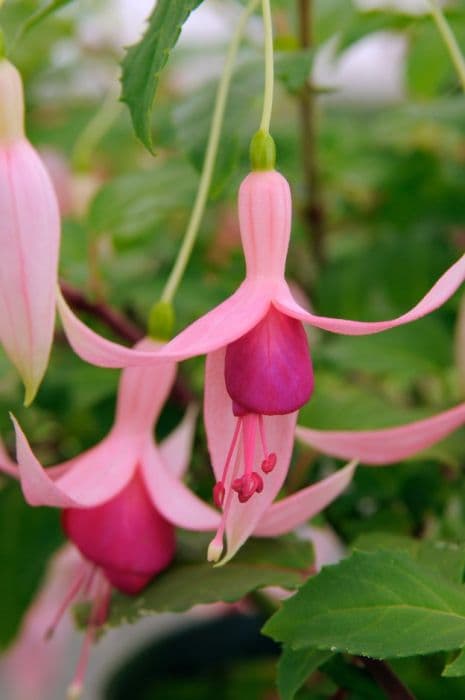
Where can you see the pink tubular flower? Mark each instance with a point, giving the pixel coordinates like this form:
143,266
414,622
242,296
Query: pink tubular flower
258,371
29,241
108,494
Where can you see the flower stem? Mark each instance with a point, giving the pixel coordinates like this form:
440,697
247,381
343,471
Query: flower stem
449,39
94,131
209,161
269,67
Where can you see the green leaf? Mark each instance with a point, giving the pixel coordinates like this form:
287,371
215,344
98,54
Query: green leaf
345,607
144,62
456,667
189,582
444,558
28,536
295,666
41,14
135,205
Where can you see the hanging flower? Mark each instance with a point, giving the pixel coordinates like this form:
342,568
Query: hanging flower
259,371
110,504
29,241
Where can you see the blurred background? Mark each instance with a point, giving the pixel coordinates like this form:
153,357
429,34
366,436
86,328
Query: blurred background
368,121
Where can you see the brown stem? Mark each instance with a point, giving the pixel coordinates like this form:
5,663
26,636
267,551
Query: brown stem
119,324
386,679
313,210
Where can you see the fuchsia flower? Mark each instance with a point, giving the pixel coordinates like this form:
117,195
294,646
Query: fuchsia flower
108,496
259,370
29,241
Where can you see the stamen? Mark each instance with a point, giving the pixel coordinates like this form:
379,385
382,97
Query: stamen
219,489
215,548
97,617
67,600
269,462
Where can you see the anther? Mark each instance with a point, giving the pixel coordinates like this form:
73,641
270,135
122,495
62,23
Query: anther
269,463
218,494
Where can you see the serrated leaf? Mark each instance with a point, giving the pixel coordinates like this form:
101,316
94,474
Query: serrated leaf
295,666
345,607
145,60
188,582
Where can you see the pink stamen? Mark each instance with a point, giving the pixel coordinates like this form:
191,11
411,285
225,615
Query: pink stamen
66,602
97,617
219,489
269,463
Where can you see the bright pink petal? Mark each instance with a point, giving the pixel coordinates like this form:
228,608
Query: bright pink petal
175,501
294,510
176,449
438,294
219,423
388,444
222,325
29,242
97,475
142,392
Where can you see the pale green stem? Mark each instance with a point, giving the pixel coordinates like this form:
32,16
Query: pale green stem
449,40
209,162
94,131
269,67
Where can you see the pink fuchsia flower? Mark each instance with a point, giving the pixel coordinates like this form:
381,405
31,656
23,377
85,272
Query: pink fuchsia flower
388,445
109,499
29,241
259,370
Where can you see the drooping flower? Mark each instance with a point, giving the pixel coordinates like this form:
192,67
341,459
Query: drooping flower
110,504
29,241
258,371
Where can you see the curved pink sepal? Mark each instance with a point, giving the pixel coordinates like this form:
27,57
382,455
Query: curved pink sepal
294,510
93,348
95,477
7,466
175,501
176,449
437,295
388,444
222,325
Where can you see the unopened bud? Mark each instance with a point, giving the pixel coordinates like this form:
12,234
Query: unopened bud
11,103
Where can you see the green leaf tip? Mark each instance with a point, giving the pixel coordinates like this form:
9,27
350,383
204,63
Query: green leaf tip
2,44
262,151
161,321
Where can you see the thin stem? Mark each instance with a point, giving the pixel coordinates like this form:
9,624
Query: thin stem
269,67
94,131
450,41
313,209
209,162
